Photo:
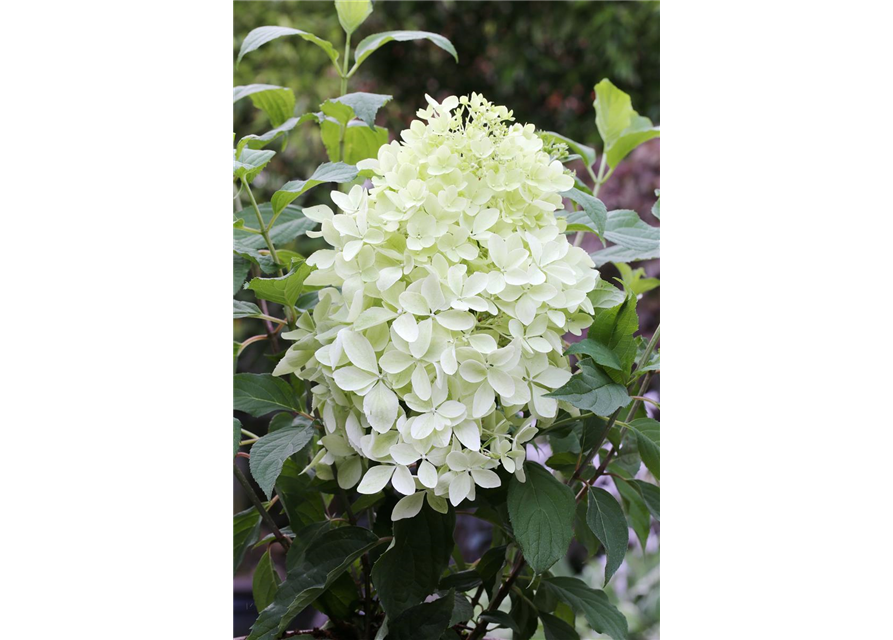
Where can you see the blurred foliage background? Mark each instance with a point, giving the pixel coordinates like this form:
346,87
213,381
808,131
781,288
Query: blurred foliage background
541,59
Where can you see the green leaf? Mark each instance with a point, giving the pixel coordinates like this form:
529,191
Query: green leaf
621,128
260,393
490,566
606,520
655,209
248,164
265,582
614,328
590,389
462,610
330,134
634,280
525,614
424,621
648,440
328,172
246,530
557,629
352,13
634,239
461,581
277,102
285,290
500,618
650,494
325,559
245,310
586,153
605,295
364,105
259,141
290,224
302,502
541,511
270,452
361,142
582,532
339,112
409,571
597,351
241,267
237,435
370,44
262,35
636,510
594,208
602,616
340,600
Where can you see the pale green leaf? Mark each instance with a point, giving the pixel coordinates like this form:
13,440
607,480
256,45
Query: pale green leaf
248,164
352,13
290,223
262,35
261,393
260,141
606,520
237,435
243,309
621,128
370,44
605,295
541,511
364,105
328,172
594,208
277,102
285,290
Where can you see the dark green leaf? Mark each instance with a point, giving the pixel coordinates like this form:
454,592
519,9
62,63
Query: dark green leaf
409,571
462,610
525,614
602,616
593,207
650,494
500,618
241,267
270,452
260,393
490,566
590,389
328,172
263,35
424,621
246,530
541,511
648,440
606,520
461,581
265,582
557,629
290,224
326,558
597,351
582,532
285,290
237,435
370,44
636,511
340,600
302,502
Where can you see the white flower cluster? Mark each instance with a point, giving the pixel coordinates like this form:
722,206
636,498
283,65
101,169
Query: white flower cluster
446,292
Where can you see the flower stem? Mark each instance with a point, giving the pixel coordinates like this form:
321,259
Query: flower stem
264,514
